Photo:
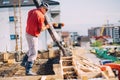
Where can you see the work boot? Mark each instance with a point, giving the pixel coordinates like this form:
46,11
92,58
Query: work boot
28,67
25,58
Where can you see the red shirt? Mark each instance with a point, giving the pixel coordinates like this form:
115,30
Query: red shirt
35,21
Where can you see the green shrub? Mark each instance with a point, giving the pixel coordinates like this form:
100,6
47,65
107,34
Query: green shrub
97,44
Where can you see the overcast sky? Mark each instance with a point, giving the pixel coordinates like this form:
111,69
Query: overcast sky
79,15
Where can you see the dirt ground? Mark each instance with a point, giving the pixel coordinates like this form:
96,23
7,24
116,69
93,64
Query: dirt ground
47,69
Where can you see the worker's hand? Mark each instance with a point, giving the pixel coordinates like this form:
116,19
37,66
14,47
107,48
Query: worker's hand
48,26
45,27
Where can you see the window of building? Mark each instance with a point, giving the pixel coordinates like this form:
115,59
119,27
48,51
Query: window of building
25,1
11,18
13,37
6,1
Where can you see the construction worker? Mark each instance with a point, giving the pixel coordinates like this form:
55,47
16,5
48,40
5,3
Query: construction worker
35,24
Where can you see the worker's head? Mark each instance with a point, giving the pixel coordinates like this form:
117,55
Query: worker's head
44,7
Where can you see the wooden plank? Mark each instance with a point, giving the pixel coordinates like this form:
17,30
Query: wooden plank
43,78
11,61
105,75
57,70
5,57
110,72
84,78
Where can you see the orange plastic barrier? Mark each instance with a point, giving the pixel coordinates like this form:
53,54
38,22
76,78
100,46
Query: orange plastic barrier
114,66
103,68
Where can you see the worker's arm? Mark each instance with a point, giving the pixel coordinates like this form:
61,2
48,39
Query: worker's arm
45,27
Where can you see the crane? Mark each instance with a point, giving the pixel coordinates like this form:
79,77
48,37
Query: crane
102,30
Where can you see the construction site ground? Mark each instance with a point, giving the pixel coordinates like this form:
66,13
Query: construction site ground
55,71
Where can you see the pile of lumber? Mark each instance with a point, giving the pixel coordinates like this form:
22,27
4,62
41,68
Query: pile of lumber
79,67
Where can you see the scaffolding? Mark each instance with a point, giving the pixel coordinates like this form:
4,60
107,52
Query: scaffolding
20,25
18,29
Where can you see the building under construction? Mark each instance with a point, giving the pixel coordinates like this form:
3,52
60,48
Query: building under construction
14,21
54,63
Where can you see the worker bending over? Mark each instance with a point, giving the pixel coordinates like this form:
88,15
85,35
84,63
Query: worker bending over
35,25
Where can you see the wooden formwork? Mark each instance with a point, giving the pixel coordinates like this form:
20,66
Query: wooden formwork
70,67
79,67
5,57
67,68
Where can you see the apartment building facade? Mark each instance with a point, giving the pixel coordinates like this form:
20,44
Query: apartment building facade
111,30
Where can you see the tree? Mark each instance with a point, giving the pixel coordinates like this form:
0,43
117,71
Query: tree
97,44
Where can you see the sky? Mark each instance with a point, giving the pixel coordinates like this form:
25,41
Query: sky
80,15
